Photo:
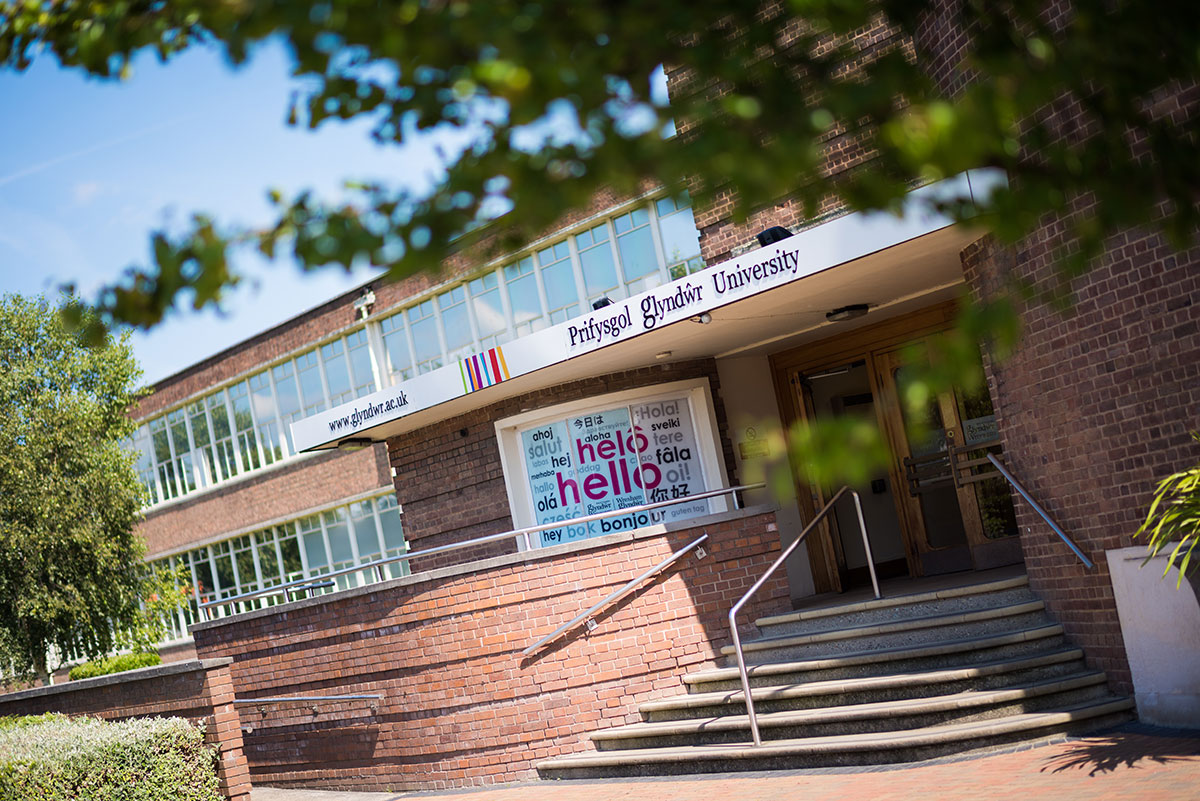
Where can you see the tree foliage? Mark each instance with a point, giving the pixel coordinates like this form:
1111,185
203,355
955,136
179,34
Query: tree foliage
71,566
556,102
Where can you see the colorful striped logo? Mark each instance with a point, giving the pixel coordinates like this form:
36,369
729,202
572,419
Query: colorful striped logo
483,369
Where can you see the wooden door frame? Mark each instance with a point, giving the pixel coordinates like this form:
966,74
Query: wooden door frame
835,351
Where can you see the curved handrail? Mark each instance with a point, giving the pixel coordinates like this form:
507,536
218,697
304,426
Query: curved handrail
737,641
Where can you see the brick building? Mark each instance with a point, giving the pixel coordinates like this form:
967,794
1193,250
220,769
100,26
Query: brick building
640,354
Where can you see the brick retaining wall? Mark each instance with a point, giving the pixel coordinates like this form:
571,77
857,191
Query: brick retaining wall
200,690
460,706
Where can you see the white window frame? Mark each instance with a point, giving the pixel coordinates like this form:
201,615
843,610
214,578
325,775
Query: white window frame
696,392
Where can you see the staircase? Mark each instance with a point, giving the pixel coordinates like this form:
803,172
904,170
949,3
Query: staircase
899,679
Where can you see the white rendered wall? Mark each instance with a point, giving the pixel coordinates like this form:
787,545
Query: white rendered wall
1161,627
755,428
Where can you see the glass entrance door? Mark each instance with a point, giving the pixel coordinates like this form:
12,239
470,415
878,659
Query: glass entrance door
957,508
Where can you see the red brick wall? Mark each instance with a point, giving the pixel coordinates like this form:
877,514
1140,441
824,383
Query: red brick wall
451,485
1094,409
199,691
272,494
720,238
460,705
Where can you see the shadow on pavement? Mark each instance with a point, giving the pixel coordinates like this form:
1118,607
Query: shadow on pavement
1126,748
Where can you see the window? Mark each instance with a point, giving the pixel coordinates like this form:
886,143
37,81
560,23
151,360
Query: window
243,420
596,259
395,348
312,388
223,456
247,426
145,463
612,453
680,239
490,321
287,396
456,322
524,297
635,243
558,277
262,398
362,374
344,536
427,343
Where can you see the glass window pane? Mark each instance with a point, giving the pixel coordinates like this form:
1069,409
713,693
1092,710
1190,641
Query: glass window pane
239,399
314,545
179,434
205,586
389,518
245,566
287,396
561,294
485,302
199,421
523,296
637,253
366,535
423,326
265,415
268,560
311,389
223,559
395,345
337,372
360,363
456,323
292,566
219,415
338,530
680,239
599,268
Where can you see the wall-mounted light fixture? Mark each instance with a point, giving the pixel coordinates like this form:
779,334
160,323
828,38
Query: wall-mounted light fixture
600,303
355,443
702,319
851,312
772,235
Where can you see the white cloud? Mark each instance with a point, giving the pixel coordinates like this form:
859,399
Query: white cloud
85,192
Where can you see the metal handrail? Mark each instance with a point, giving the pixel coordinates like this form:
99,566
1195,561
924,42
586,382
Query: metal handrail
737,641
615,596
519,532
1037,507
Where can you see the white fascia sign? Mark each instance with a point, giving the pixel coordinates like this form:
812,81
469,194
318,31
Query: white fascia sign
828,245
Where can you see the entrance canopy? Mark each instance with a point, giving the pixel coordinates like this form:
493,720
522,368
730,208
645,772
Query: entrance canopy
764,300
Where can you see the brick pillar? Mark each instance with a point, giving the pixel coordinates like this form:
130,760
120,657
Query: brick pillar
224,730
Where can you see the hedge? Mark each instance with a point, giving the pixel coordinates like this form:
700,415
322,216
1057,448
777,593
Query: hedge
114,664
55,758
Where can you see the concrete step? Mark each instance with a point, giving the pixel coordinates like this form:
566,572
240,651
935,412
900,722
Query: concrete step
913,631
890,715
872,748
972,650
869,689
1002,592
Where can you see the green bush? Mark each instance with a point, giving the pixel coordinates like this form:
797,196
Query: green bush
114,664
55,758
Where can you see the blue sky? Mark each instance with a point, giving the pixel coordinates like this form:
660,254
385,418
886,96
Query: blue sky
88,169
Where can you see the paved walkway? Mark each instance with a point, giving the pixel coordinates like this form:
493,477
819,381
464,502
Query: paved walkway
1136,762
